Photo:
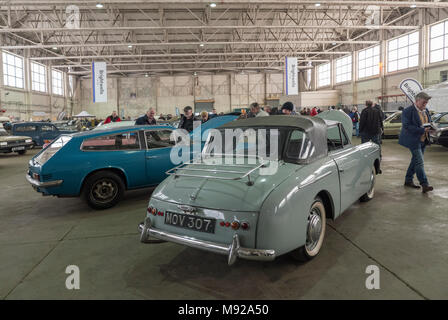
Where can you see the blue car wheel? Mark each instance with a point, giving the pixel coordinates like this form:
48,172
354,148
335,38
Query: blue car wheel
103,190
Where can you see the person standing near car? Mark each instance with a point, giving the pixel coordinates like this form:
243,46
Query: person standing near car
415,136
287,108
354,115
187,119
112,118
256,111
204,116
148,118
378,107
370,124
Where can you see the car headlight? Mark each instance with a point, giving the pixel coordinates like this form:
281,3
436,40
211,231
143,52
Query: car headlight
28,141
3,144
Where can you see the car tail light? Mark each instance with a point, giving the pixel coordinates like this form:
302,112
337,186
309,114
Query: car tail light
152,211
160,213
235,225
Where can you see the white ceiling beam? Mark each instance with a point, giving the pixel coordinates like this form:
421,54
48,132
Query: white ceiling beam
192,54
158,44
151,28
189,69
189,62
382,3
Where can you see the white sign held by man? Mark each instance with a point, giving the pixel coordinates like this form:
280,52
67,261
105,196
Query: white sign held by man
410,88
99,79
292,81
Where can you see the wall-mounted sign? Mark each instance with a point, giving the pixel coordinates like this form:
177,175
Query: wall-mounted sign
99,82
291,76
410,88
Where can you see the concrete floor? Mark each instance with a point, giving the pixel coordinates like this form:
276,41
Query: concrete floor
401,231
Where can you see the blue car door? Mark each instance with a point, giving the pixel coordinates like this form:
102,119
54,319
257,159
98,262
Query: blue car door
124,151
158,152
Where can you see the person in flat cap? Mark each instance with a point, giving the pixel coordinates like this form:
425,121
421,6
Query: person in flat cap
287,108
414,135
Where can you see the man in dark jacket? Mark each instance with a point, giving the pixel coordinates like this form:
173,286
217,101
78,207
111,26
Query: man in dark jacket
415,136
148,118
187,119
370,124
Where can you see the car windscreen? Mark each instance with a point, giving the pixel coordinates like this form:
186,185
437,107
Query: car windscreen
245,142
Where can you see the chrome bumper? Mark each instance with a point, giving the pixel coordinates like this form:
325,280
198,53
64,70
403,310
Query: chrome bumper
36,183
232,251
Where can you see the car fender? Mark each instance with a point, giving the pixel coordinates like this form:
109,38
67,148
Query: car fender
283,216
108,168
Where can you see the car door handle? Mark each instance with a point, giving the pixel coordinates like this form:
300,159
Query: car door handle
151,157
341,170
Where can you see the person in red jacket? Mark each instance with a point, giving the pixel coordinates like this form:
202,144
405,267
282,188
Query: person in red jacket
313,112
112,118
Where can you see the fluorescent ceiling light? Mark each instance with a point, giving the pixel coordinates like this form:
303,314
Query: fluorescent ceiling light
212,5
317,4
99,5
201,44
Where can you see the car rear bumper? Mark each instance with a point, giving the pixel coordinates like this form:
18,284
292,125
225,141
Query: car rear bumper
39,184
232,251
16,147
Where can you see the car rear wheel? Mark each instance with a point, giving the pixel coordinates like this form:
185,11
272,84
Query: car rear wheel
315,232
21,152
103,190
369,194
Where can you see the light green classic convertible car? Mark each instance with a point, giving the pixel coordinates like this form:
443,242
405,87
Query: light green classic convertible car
245,205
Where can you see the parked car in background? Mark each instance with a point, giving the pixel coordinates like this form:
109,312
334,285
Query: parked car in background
113,125
441,120
392,125
235,210
67,125
387,114
40,132
10,143
99,165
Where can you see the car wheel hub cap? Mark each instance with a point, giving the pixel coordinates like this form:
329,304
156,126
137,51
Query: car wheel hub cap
104,190
314,229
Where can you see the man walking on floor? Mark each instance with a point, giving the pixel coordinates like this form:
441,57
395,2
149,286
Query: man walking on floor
415,136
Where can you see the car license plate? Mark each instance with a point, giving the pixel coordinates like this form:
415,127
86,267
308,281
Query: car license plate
17,148
190,222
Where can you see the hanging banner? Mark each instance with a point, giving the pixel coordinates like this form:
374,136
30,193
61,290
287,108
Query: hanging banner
291,76
410,88
99,82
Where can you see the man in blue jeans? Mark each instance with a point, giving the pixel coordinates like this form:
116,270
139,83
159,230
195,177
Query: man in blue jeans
415,136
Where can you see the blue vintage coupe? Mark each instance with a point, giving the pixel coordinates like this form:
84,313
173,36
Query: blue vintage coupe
100,165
